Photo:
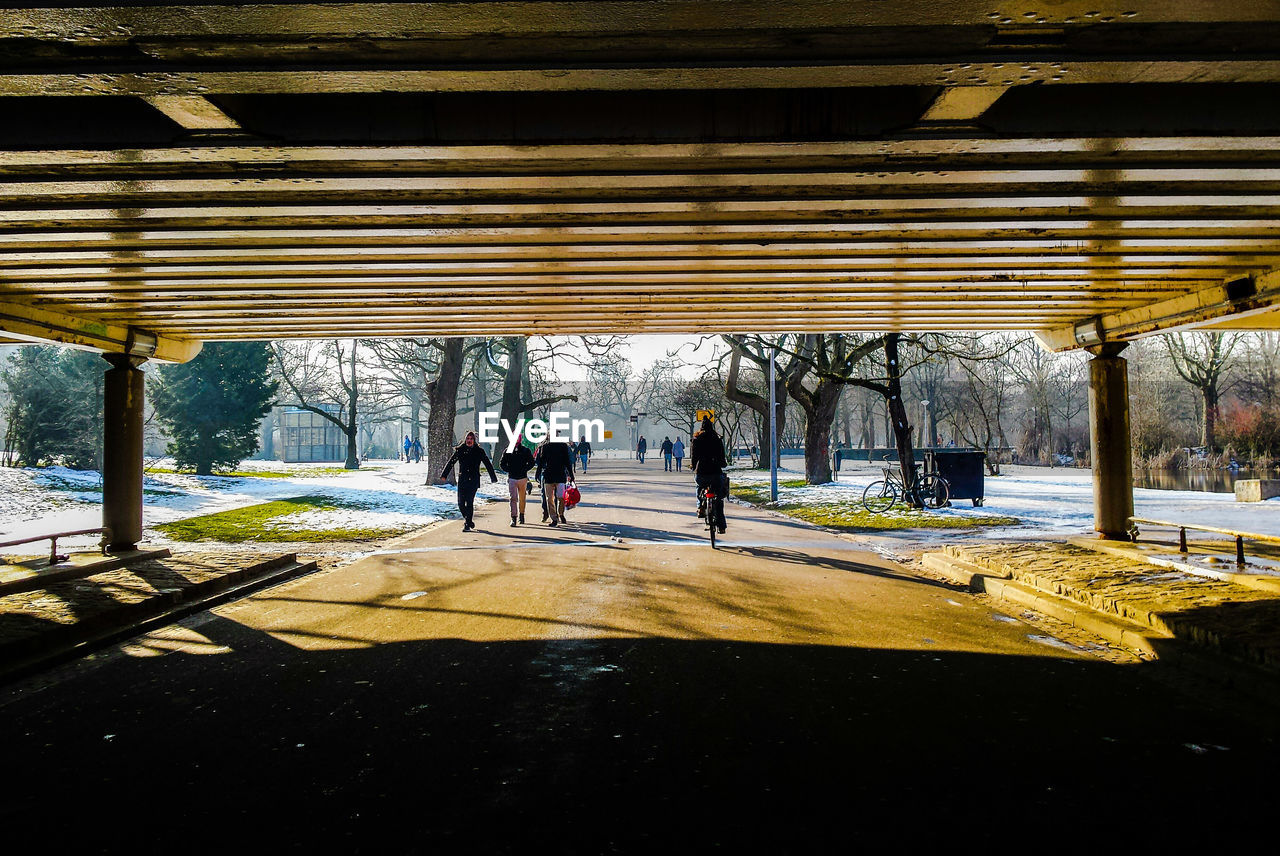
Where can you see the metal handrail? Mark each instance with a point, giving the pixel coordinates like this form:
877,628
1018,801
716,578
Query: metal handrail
54,558
1182,534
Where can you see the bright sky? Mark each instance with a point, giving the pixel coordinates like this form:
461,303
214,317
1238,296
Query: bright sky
644,351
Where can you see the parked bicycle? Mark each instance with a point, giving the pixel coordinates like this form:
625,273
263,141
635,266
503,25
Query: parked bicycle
882,494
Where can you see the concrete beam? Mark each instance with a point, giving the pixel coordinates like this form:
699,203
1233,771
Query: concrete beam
193,112
962,105
31,324
1239,300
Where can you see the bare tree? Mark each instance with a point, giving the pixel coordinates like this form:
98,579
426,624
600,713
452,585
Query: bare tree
323,378
1202,360
758,350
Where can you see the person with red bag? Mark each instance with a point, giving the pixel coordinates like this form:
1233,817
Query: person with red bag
555,470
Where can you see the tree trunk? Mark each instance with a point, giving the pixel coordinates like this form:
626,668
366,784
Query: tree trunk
481,396
353,459
1209,426
817,435
415,415
898,418
442,399
758,403
512,384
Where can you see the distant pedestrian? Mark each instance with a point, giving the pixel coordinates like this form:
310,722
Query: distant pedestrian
516,464
469,456
417,450
555,469
584,452
666,449
407,446
641,447
677,451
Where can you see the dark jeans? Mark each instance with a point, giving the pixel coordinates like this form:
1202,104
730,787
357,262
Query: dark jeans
720,482
467,498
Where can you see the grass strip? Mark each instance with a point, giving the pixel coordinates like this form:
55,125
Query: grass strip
269,522
850,516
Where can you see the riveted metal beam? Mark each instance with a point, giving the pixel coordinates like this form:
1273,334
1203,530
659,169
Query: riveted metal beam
1235,302
28,323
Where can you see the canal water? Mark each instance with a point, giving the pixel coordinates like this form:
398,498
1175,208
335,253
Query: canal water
1212,481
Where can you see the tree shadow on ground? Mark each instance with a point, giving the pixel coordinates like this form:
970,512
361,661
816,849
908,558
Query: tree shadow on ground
590,745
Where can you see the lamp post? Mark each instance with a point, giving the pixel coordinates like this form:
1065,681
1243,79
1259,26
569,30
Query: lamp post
925,431
773,431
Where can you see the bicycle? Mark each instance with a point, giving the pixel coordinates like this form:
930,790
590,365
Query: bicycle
881,495
713,504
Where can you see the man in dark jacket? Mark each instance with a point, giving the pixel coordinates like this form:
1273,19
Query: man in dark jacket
555,469
666,448
516,464
707,460
469,456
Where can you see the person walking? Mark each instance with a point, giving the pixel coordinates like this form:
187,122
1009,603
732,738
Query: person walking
641,448
584,452
555,469
666,449
407,446
468,456
417,450
707,461
516,464
677,452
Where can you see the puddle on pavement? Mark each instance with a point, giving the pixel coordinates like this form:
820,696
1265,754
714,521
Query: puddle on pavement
1053,642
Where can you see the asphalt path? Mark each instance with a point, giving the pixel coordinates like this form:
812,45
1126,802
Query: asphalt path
615,685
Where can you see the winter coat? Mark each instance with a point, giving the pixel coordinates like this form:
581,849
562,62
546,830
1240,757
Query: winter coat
678,449
707,453
666,447
517,463
555,465
469,459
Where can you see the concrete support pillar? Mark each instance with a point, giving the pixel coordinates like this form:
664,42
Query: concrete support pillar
1109,441
122,450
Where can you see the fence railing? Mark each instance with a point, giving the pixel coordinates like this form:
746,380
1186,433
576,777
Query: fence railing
54,558
1182,534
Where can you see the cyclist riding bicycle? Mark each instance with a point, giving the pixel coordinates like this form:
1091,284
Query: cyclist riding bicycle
707,459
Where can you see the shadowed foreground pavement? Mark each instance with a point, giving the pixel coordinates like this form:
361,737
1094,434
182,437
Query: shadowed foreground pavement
634,691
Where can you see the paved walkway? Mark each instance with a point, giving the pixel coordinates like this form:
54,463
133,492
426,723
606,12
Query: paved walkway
616,685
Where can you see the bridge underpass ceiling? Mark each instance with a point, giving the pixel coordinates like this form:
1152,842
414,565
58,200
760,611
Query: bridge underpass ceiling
223,172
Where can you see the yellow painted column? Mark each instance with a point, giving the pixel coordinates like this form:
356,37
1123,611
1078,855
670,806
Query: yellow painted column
122,450
1109,441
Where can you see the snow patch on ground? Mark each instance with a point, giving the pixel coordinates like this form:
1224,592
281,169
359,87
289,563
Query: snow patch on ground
382,494
1048,502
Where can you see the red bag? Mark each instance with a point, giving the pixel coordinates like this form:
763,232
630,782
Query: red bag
571,496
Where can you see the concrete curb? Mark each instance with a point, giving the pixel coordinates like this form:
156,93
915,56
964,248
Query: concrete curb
25,656
31,580
1165,558
1116,630
1164,647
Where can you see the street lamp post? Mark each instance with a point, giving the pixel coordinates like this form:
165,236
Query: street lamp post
773,431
